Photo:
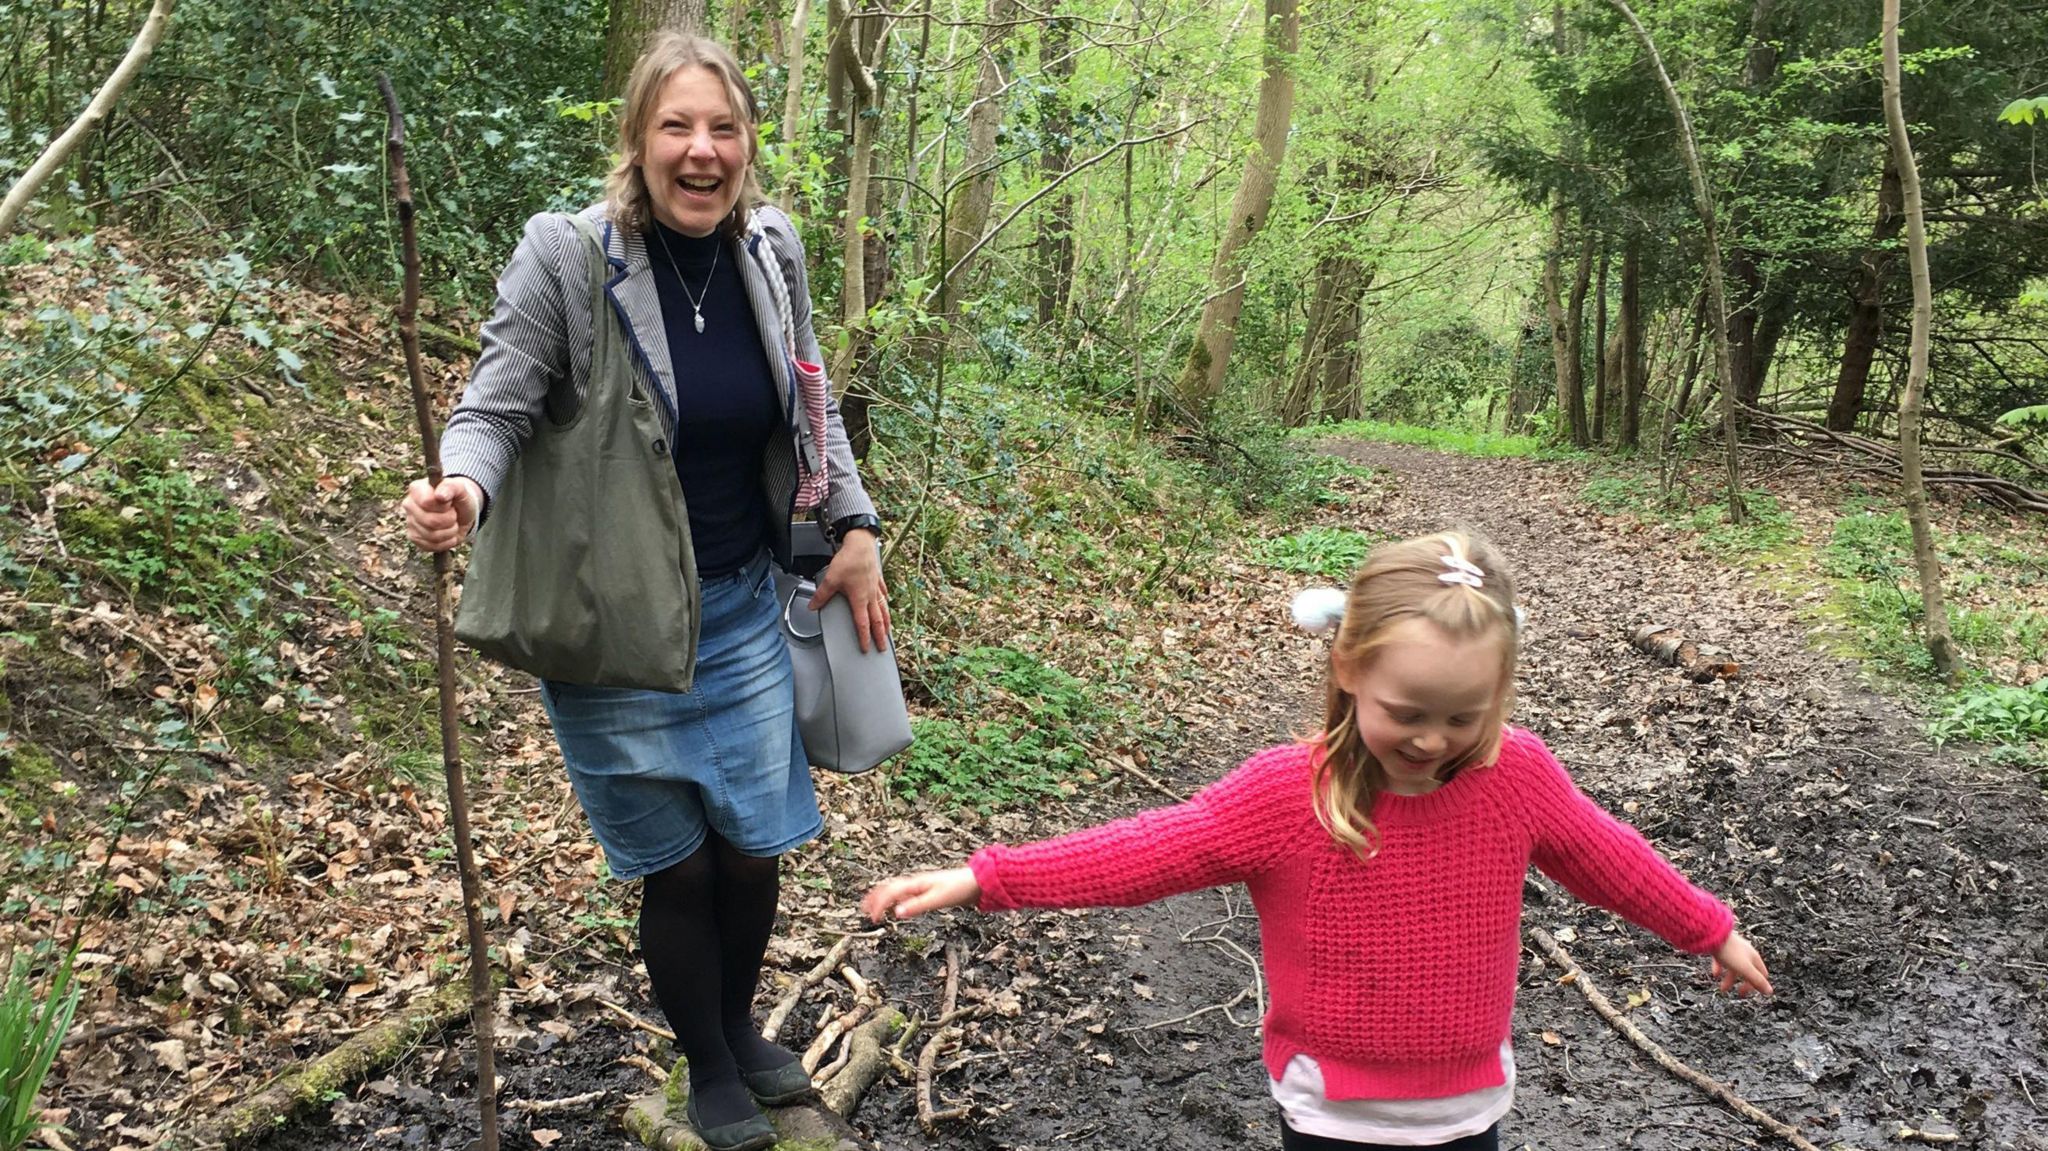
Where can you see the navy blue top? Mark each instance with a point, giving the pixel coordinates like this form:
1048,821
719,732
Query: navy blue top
726,407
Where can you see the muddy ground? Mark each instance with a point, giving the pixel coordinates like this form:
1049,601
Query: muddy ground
1896,890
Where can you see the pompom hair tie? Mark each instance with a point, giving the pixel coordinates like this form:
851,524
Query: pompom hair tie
1318,609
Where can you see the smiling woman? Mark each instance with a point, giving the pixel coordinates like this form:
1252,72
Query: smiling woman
644,417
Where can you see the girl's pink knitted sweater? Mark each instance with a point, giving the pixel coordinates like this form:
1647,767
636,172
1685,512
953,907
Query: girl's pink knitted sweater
1396,974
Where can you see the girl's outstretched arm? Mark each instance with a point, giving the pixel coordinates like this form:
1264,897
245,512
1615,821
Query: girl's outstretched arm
905,896
1739,968
1226,834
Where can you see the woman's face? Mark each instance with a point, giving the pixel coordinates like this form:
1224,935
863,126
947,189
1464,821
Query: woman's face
695,153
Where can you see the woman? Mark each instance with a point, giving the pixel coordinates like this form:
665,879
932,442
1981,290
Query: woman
698,793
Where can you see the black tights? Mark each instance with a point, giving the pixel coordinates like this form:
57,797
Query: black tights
704,926
1292,1140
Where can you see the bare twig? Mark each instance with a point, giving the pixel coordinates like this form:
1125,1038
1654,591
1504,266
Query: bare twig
927,1059
556,1106
1644,1043
812,978
638,1023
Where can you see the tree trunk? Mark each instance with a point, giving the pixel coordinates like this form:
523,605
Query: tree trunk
632,22
1748,360
1866,304
1601,374
1717,295
856,268
1327,371
793,99
1575,339
1056,228
1201,378
975,193
1633,375
1939,644
60,149
1553,306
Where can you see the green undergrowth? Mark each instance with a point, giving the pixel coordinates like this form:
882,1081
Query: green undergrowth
1012,729
1766,525
1870,609
1330,552
1458,441
176,496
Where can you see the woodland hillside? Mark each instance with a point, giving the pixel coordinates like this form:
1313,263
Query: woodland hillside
1144,314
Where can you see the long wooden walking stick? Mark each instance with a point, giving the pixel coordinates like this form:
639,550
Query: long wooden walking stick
481,993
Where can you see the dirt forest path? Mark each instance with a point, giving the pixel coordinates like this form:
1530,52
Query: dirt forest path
1895,890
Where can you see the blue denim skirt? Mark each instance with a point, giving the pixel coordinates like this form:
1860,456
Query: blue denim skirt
655,771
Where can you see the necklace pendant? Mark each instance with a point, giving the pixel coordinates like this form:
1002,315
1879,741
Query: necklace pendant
700,321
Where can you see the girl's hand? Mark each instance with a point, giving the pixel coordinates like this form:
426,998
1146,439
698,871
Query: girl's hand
1739,968
439,519
909,895
856,572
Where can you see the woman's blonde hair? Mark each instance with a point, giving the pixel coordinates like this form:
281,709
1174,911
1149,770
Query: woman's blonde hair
1399,582
668,53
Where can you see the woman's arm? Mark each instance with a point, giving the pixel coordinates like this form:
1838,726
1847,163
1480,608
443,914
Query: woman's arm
526,355
856,568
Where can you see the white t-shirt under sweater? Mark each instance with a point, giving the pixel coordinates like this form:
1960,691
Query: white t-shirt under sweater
1397,1122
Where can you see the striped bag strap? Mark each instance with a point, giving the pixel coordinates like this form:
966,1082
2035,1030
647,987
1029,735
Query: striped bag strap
813,394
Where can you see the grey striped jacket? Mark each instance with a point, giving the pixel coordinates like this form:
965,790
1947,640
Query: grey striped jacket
535,362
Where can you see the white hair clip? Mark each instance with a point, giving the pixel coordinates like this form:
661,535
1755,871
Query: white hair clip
1463,571
1521,618
1318,609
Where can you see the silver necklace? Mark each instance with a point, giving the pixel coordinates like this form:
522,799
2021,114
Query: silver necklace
696,301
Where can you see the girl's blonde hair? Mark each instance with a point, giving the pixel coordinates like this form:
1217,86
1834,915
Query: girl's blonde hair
1399,582
668,53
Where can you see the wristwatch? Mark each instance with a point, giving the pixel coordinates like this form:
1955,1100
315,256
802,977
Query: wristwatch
845,524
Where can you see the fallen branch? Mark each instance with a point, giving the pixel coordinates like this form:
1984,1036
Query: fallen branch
928,1117
1663,643
822,1045
1644,1043
867,1060
638,1023
556,1106
812,978
308,1084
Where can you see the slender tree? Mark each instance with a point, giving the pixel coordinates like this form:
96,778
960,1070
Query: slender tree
1209,355
60,149
1634,375
1717,295
974,194
1940,646
1866,302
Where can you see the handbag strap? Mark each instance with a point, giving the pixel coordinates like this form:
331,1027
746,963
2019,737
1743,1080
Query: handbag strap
813,392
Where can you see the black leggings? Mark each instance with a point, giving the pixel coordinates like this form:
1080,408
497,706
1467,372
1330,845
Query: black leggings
1292,1140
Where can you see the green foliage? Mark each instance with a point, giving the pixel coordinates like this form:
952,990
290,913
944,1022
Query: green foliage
34,1015
1995,715
1432,378
1333,553
173,540
1464,443
23,249
2024,111
1034,742
1766,526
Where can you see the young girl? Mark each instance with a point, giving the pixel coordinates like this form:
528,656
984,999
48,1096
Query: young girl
1385,858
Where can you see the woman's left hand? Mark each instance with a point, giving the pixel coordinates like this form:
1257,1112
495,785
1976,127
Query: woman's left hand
856,573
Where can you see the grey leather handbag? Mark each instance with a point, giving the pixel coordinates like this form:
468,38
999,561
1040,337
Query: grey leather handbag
849,703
